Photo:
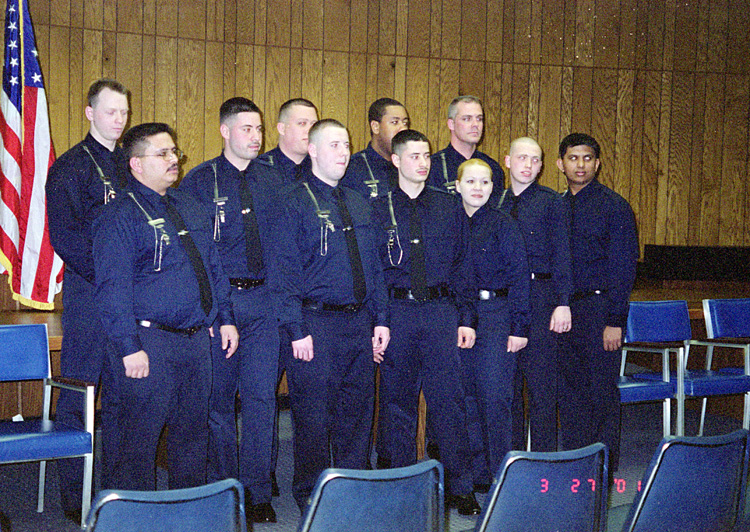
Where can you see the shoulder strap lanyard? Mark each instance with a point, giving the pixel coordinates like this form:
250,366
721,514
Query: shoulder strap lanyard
449,185
325,221
372,182
392,230
161,238
109,191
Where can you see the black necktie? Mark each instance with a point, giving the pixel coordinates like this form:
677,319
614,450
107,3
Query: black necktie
514,206
192,252
416,254
253,246
358,274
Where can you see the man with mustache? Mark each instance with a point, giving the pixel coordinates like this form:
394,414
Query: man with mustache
239,193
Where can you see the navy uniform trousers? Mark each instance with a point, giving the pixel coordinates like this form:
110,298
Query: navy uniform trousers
81,357
488,370
423,350
252,371
134,412
588,394
332,397
537,362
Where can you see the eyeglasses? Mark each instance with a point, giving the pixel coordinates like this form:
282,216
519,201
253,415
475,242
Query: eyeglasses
167,154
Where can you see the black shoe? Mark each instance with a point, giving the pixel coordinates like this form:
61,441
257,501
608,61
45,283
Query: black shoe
481,487
263,513
432,450
73,515
465,504
274,486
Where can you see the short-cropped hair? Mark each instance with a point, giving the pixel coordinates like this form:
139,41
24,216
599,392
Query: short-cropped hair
453,106
105,83
135,140
407,135
579,139
235,106
320,125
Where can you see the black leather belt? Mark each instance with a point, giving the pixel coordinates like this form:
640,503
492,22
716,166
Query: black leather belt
540,276
433,292
309,304
485,295
243,283
190,331
583,295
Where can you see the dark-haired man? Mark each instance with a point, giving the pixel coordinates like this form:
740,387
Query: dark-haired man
371,171
333,308
296,117
604,250
466,124
422,243
79,184
159,289
239,193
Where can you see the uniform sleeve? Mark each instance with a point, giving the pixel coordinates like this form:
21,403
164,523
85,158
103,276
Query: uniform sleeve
622,255
114,262
378,301
462,274
559,224
519,279
355,176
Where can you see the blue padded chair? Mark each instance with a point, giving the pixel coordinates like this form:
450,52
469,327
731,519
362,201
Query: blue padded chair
693,484
564,490
24,355
657,327
727,325
218,507
403,499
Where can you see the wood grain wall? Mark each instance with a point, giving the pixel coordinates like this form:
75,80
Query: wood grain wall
663,85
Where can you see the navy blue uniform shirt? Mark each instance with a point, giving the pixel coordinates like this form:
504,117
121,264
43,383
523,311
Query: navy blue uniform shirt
75,198
369,165
128,287
445,233
314,264
499,257
289,170
440,174
604,246
545,223
264,182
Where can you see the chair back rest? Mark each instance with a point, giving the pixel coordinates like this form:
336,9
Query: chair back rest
693,484
24,352
404,499
548,491
727,318
218,507
658,321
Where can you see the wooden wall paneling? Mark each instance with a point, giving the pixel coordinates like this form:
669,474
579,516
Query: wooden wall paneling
358,30
532,119
91,66
229,79
359,130
548,134
373,25
519,109
191,19
191,99
606,34
637,154
215,20
566,116
494,133
245,21
449,89
506,30
259,76
686,37
245,65
418,28
435,109
628,34
109,54
494,31
712,141
110,15
59,13
128,68
584,32
148,79
738,57
335,89
399,78
451,29
569,33
230,21
552,32
471,78
623,151
129,16
277,90
665,115
167,22
521,33
165,83
734,162
312,78
702,35
505,73
93,14
76,89
402,27
535,33
417,92
149,17
336,20
650,163
388,11
386,80
679,165
474,30
214,97
696,158
582,100
371,87
717,37
295,73
260,20
76,14
604,123
56,47
642,32
655,53
669,34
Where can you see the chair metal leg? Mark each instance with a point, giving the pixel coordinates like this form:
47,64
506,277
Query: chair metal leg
746,413
40,493
88,476
704,403
667,416
680,395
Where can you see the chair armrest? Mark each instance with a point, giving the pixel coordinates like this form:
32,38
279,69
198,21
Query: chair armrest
76,385
653,345
722,342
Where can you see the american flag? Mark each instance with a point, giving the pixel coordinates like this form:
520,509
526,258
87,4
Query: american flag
26,154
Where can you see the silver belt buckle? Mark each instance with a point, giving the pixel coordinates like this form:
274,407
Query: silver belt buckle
484,295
